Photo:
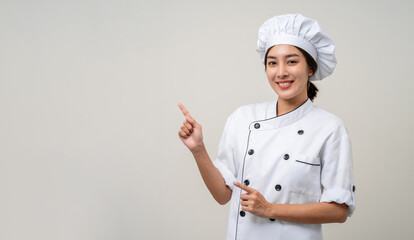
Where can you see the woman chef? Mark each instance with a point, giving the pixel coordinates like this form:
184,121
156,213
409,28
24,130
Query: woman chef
285,166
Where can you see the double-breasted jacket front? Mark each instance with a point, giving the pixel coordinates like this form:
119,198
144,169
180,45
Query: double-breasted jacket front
303,156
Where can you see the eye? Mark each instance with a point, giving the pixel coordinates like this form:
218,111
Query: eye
271,63
292,61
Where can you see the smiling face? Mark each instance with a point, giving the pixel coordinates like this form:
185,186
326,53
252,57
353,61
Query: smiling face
288,73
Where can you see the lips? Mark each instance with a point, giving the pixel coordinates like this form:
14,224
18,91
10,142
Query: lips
284,84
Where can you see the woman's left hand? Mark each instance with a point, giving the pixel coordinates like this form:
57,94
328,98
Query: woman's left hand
253,201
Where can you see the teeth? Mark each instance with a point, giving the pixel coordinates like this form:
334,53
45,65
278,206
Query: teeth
284,83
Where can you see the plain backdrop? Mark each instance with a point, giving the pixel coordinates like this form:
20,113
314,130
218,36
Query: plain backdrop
89,119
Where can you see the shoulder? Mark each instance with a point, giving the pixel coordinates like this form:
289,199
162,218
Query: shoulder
245,114
255,110
327,122
326,117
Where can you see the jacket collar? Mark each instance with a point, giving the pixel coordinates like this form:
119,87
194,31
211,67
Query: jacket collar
272,121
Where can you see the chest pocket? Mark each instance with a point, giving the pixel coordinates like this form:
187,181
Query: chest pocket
306,177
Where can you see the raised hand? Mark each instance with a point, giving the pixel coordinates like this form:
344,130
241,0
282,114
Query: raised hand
253,201
190,132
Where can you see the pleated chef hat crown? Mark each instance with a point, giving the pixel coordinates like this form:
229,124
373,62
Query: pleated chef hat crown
299,31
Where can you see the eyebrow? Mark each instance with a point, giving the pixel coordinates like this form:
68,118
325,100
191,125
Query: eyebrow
287,56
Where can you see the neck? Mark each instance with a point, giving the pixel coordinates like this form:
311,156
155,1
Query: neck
287,105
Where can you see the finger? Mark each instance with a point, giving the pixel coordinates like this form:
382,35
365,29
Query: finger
187,114
184,129
244,203
191,120
184,110
243,187
188,126
244,197
182,134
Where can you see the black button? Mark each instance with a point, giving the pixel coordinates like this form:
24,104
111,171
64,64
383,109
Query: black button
353,188
246,182
242,213
278,187
300,132
251,151
257,125
286,156
272,219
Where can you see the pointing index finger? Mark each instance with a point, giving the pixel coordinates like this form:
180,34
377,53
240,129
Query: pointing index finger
184,110
243,187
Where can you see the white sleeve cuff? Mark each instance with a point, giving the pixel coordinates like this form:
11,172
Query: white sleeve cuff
340,196
226,173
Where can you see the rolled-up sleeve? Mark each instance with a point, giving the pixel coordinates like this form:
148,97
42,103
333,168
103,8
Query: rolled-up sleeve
337,172
225,157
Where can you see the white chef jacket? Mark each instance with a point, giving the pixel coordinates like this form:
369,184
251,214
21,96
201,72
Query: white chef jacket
303,156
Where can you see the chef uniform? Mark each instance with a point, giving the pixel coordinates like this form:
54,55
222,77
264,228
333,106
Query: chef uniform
303,156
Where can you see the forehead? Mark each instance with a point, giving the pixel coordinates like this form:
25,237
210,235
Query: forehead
284,50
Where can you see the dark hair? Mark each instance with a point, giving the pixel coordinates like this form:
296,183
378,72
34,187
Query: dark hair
312,89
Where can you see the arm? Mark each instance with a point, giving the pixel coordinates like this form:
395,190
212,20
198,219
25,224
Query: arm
211,176
191,135
321,212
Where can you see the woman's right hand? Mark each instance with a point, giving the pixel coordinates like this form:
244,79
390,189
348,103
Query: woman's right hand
190,132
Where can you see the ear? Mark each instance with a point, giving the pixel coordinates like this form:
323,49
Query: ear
310,73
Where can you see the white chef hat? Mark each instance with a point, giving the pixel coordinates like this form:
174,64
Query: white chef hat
299,31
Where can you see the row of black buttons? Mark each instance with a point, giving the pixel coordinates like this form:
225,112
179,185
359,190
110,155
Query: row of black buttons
278,187
251,152
243,213
257,126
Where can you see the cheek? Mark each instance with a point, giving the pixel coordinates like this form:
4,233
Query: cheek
270,74
301,74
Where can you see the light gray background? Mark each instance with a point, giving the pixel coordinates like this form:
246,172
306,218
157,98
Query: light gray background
89,121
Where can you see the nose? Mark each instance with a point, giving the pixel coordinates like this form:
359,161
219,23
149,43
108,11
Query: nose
282,71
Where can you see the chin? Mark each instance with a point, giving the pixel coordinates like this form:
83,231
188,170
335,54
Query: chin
285,96
291,94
